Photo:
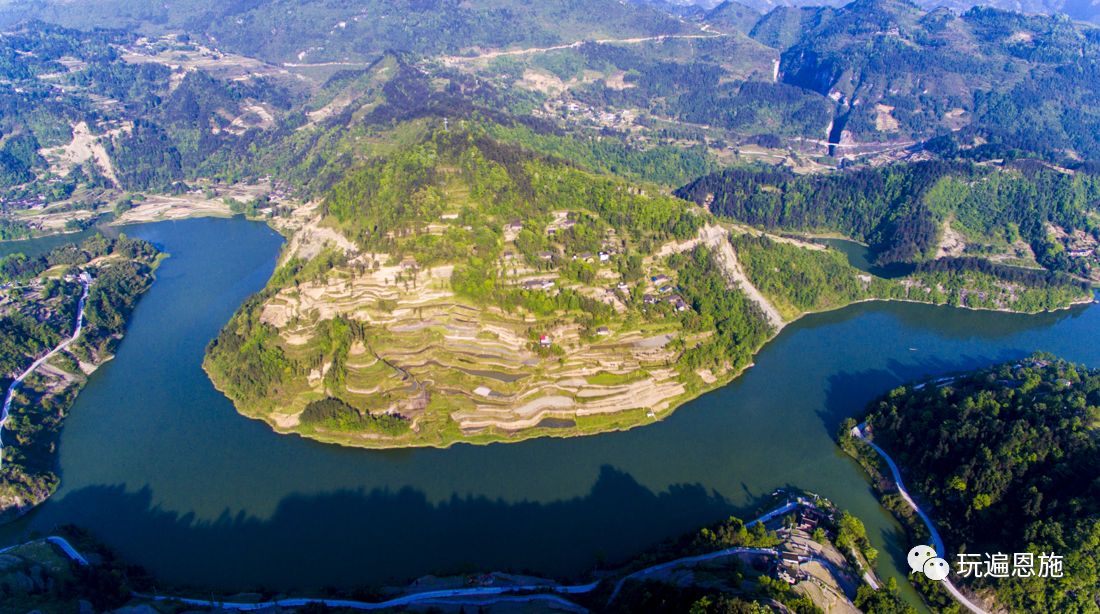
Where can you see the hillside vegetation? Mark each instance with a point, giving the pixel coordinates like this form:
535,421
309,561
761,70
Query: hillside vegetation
897,71
904,211
289,31
38,307
1009,459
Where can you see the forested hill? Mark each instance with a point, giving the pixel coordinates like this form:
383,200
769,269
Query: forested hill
1009,459
473,289
1080,10
901,210
897,71
317,31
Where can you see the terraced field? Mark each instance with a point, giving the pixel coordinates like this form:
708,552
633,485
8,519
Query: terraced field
431,356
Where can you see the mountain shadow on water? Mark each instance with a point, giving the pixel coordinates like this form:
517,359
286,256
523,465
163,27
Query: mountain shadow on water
351,538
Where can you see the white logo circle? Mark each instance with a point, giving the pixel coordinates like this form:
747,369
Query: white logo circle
918,556
936,568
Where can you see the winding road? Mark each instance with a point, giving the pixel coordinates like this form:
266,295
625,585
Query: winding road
688,560
937,541
86,280
61,543
488,55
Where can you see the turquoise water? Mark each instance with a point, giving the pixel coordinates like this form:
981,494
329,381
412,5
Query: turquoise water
157,464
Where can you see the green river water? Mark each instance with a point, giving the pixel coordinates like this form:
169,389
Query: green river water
157,464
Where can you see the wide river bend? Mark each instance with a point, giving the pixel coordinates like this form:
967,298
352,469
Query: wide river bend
157,464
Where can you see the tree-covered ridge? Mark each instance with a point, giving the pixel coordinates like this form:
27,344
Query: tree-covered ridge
724,82
363,114
666,165
977,283
878,72
38,306
901,209
1009,459
798,279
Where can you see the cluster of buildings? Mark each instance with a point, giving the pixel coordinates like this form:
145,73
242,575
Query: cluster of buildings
665,294
573,112
788,564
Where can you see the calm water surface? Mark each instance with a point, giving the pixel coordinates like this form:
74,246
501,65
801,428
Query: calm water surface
157,463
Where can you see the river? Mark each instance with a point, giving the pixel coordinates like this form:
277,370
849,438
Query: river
158,465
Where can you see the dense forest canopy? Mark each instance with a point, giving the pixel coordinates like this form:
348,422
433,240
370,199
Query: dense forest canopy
1009,459
900,209
373,203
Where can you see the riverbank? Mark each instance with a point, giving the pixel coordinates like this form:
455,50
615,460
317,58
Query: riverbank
859,432
594,497
983,423
115,208
5,412
113,275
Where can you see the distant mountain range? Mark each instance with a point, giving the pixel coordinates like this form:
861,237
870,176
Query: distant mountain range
894,68
313,32
728,12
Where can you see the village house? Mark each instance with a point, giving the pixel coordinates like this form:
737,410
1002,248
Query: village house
789,559
545,341
603,331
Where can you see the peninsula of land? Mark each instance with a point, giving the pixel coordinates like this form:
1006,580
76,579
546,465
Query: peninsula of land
461,289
